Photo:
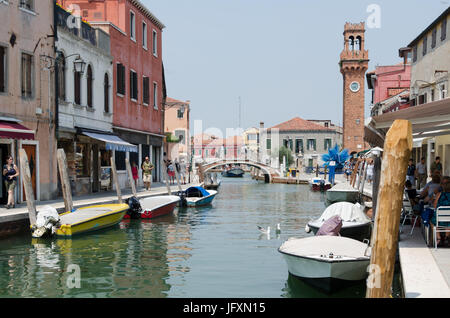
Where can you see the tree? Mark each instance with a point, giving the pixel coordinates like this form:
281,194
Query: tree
286,152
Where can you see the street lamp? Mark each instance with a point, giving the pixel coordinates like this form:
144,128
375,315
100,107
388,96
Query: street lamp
79,65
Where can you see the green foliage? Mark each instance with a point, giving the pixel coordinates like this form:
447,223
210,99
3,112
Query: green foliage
171,138
286,152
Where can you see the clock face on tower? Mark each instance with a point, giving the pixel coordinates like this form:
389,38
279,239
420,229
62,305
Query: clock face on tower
354,87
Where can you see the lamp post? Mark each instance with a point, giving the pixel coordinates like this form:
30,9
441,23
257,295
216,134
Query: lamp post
192,156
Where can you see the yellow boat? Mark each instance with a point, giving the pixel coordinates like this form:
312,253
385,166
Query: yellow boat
90,218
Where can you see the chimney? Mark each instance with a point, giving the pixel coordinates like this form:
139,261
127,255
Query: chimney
261,125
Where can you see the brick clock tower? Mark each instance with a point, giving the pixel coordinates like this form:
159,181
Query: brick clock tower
354,64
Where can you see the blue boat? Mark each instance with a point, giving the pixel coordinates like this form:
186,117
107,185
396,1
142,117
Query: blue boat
196,196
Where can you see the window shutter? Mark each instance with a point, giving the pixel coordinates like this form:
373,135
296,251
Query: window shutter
444,29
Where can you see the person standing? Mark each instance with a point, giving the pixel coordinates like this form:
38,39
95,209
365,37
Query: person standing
10,173
135,172
436,166
147,168
370,169
183,171
421,173
171,171
411,172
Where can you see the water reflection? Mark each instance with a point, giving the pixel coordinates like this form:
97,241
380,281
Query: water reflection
212,251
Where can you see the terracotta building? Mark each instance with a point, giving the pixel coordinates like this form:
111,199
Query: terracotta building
176,121
138,80
353,63
27,105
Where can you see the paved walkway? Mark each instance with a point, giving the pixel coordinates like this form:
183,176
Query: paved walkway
21,211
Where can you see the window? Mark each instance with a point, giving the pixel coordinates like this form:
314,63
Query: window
146,90
106,93
132,26
2,69
425,45
327,144
181,135
444,29
120,160
144,35
433,38
155,43
358,121
311,144
268,144
180,113
299,146
89,84
443,91
120,79
27,76
155,95
27,4
133,85
77,87
62,77
415,54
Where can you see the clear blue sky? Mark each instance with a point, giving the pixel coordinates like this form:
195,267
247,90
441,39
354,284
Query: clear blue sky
280,56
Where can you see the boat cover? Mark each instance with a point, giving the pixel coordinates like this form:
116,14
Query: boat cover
331,227
347,211
343,187
196,192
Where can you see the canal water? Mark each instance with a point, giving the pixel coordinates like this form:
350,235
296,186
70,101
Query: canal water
214,251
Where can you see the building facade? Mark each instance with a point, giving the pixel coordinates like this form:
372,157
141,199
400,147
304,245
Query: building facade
353,63
307,140
85,109
27,106
430,83
138,80
177,124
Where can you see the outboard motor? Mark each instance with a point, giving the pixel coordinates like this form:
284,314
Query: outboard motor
322,185
135,210
182,195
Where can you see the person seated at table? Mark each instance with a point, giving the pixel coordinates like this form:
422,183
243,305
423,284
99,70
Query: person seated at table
431,188
411,192
442,199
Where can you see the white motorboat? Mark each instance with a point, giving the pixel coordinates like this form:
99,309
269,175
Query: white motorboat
342,192
327,262
355,223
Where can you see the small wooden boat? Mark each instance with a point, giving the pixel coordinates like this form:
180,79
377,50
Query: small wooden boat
212,186
233,173
196,196
91,218
327,262
355,223
342,192
319,184
152,207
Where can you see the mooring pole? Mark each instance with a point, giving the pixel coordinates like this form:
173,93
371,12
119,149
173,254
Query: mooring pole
116,180
26,179
166,177
397,152
64,177
130,177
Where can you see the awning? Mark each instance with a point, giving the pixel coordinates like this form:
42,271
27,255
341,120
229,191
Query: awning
112,142
15,130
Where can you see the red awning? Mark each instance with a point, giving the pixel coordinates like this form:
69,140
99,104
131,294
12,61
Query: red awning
15,131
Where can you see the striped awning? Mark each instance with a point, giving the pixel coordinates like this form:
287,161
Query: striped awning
113,142
14,130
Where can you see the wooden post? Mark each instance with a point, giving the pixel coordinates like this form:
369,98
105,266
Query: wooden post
26,180
201,175
353,176
64,177
130,177
317,170
397,152
360,173
363,181
298,174
375,185
116,180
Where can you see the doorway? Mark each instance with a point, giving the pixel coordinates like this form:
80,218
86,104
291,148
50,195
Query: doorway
3,153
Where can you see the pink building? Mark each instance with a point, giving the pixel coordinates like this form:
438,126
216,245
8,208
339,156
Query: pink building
176,122
390,87
208,147
138,81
